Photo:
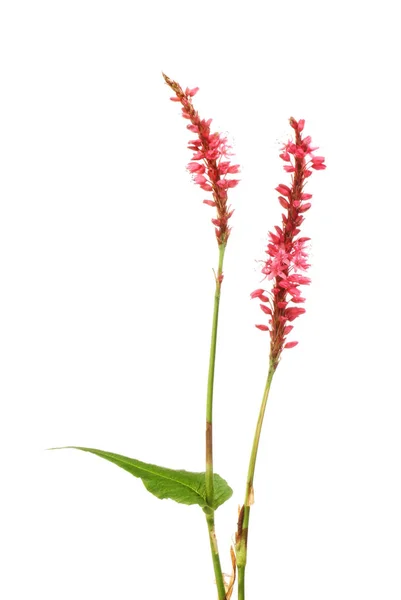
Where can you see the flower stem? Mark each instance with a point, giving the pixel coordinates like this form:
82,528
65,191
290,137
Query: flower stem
243,522
221,590
210,381
209,431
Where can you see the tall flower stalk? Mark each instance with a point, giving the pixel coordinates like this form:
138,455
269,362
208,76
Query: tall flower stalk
287,260
210,167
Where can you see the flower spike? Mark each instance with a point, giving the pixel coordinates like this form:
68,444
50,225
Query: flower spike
287,253
210,164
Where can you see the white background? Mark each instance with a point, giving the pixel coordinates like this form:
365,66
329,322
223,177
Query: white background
106,296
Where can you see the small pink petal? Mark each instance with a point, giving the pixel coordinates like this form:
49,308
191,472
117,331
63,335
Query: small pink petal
191,92
266,309
209,202
283,189
290,344
257,293
224,166
194,167
284,203
262,327
293,312
212,154
300,279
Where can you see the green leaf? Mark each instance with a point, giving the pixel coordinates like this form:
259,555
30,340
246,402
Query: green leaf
182,486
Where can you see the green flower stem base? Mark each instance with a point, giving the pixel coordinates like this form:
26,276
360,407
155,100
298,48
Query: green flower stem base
243,523
221,590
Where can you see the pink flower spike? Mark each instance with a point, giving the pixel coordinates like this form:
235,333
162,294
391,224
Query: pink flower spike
212,148
286,252
262,327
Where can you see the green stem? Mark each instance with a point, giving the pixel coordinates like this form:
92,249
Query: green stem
243,524
241,583
209,432
210,381
221,590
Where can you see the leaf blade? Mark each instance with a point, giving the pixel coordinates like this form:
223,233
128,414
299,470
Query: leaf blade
184,487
